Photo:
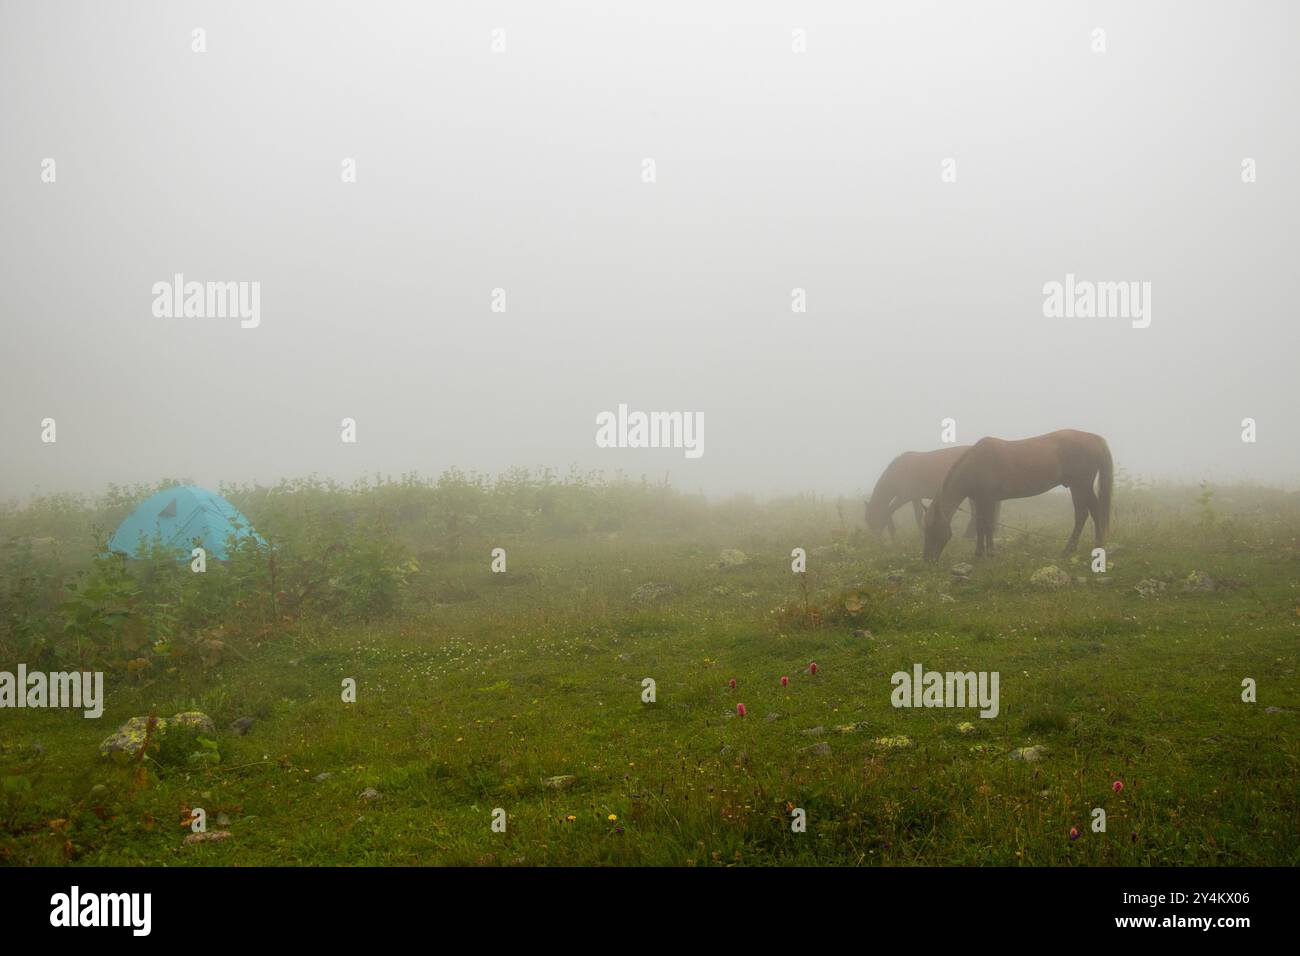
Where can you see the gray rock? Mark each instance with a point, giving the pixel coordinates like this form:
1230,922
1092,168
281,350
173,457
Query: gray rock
215,836
1029,754
1277,710
559,782
223,820
1149,587
242,725
822,749
322,777
1198,581
863,634
732,558
1050,578
962,570
813,731
370,795
651,592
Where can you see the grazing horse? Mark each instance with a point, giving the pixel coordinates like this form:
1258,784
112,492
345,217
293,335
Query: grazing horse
994,470
912,476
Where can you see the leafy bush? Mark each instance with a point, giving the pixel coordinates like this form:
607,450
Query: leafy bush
100,626
30,585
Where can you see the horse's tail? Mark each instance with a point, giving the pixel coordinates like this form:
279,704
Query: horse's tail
1105,484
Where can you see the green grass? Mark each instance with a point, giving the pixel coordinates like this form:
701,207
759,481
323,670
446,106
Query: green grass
485,685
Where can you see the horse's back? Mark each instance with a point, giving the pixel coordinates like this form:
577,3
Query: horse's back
1062,440
924,471
1081,452
1028,466
1074,437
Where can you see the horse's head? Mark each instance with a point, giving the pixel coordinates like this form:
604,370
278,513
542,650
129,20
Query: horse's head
938,532
876,516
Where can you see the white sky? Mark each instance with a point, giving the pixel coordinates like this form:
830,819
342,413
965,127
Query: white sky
522,170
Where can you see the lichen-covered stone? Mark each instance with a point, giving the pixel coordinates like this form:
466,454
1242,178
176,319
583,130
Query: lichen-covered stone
129,738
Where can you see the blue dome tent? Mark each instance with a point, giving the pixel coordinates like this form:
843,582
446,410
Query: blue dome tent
178,516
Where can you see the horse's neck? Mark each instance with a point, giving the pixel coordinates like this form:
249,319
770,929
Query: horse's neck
953,492
886,487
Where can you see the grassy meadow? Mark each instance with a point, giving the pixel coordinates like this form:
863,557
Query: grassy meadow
523,690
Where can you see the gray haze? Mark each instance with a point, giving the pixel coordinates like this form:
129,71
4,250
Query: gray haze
522,170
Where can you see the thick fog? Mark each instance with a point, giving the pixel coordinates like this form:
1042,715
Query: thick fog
643,186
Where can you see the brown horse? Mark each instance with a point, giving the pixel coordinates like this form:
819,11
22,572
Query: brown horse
995,470
912,476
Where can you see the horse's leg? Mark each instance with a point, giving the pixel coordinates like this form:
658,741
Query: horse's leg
889,520
987,517
972,526
1094,509
991,525
894,504
1080,516
919,512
